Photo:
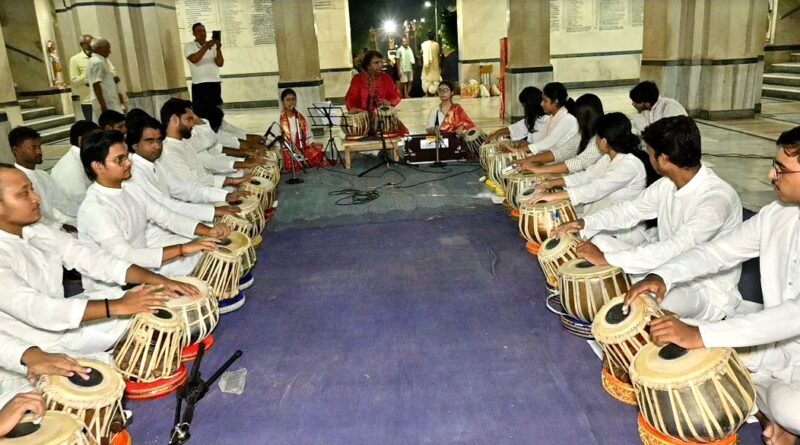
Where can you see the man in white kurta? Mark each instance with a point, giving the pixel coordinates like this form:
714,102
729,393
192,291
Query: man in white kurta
692,206
68,171
652,106
431,73
102,86
772,334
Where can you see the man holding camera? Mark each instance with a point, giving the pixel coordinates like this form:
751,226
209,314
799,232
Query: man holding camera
205,59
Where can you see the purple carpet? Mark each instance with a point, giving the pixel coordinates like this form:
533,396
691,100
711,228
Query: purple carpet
408,332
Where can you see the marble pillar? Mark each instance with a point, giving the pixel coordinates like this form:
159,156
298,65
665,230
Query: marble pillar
8,96
298,68
6,157
332,20
481,25
707,55
528,51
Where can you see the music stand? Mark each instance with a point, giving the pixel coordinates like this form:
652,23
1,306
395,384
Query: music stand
326,114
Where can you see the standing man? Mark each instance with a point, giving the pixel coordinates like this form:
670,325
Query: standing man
102,86
205,60
431,73
405,64
77,75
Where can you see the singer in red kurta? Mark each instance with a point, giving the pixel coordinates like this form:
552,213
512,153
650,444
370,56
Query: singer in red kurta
373,89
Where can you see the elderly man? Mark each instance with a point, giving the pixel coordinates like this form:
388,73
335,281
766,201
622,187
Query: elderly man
405,64
77,75
103,88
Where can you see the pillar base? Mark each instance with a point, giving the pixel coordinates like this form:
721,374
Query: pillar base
519,78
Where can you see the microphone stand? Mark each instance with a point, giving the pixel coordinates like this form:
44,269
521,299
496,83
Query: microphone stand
438,163
292,158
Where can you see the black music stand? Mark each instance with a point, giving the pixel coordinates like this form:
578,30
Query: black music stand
328,115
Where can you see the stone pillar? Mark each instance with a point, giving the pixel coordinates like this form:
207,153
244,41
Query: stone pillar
335,51
528,51
8,96
480,48
707,55
298,51
145,46
6,157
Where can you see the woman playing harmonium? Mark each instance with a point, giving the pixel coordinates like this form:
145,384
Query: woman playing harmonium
449,116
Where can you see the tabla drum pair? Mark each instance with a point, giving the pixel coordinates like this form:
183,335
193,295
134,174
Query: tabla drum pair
521,186
55,428
222,269
96,402
700,395
497,171
237,224
150,355
385,121
537,221
554,253
200,315
355,125
622,336
485,152
473,140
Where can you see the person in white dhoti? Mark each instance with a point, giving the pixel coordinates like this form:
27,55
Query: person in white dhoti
68,171
102,86
769,339
691,204
620,175
431,73
56,206
115,214
651,106
33,307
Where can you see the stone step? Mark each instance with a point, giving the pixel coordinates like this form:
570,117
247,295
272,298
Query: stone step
781,92
785,79
33,113
44,123
789,67
27,104
795,57
55,134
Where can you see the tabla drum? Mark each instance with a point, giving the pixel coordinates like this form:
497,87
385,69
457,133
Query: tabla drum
537,221
355,125
485,152
55,428
585,288
497,166
252,213
473,140
386,121
270,171
699,395
554,253
200,315
622,336
222,269
520,187
150,356
96,402
262,189
244,227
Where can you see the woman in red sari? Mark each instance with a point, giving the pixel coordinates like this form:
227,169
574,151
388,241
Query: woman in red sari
451,116
294,128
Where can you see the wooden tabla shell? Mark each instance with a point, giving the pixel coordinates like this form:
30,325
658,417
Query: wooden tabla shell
537,221
222,269
244,227
355,125
486,151
386,120
152,349
263,190
98,405
473,140
56,428
585,288
250,210
270,171
704,395
554,253
520,186
200,314
497,164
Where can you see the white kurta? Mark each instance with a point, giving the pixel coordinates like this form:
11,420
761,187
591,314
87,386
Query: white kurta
70,175
116,220
584,159
33,306
56,206
704,209
561,127
209,151
181,161
664,107
230,134
519,130
98,71
774,236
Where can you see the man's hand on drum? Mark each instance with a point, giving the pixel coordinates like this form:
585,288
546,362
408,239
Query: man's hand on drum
571,227
41,363
175,288
670,329
219,231
652,284
221,211
205,244
142,298
236,182
591,253
540,195
17,407
236,196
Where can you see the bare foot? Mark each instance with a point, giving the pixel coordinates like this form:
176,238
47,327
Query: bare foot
773,434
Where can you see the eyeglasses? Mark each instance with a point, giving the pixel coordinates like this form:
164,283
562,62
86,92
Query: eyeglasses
776,168
121,160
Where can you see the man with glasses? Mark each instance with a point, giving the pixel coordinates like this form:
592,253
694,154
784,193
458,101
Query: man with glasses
115,215
692,206
770,338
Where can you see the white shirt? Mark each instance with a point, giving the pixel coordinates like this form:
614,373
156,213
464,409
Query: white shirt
519,129
607,182
704,209
97,70
181,161
569,149
561,127
205,70
664,107
229,134
70,175
144,176
584,159
209,151
115,221
56,207
774,236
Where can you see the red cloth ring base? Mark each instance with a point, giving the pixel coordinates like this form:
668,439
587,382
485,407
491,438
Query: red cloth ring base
650,436
515,215
122,438
533,248
269,214
157,389
618,389
190,352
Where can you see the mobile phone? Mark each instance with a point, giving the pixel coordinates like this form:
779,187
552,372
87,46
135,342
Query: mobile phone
216,35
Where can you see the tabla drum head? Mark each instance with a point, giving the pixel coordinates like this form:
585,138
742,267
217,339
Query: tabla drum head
105,385
56,428
611,325
656,366
185,300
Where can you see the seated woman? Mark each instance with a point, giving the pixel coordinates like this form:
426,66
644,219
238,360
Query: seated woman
621,174
535,120
450,116
372,88
562,124
577,153
294,129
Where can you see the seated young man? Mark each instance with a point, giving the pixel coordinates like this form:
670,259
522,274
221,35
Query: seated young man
115,214
57,207
111,120
772,334
691,204
33,307
211,153
68,171
651,106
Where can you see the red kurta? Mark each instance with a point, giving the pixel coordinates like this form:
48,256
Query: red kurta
366,95
456,117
